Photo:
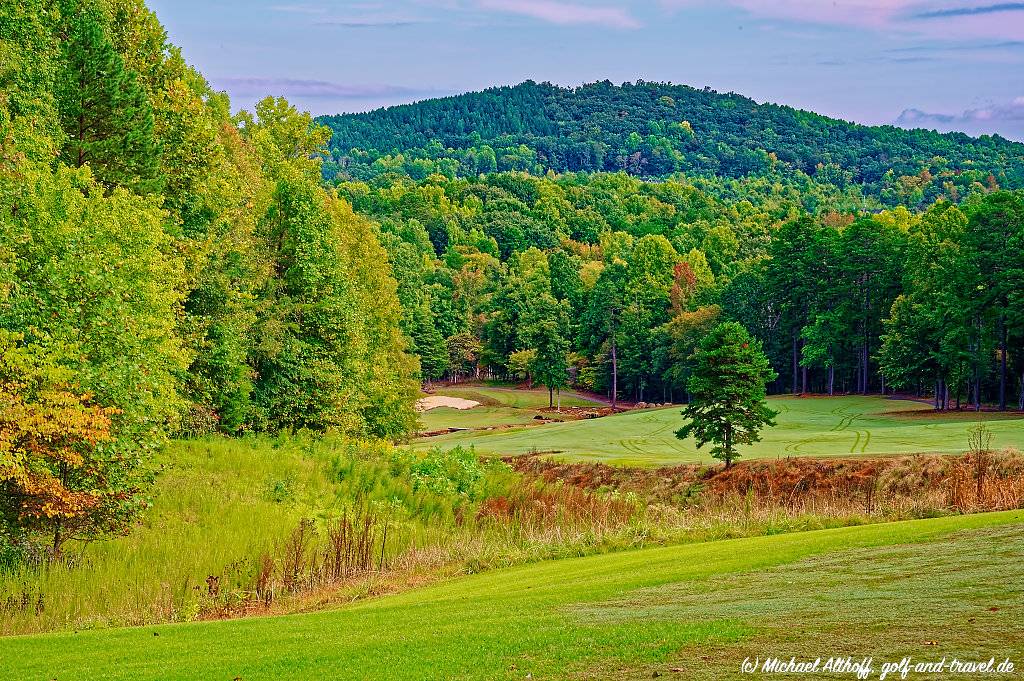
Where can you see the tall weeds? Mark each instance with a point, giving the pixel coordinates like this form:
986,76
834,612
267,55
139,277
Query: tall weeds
289,524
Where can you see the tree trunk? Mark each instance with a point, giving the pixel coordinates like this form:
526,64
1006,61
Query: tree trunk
796,361
57,542
1020,402
1002,361
977,367
867,360
728,446
615,375
831,379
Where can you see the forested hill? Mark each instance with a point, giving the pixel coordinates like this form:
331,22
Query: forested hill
654,130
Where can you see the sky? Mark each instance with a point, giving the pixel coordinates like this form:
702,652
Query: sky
942,64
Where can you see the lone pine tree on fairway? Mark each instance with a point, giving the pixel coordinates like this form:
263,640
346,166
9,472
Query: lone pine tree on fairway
727,391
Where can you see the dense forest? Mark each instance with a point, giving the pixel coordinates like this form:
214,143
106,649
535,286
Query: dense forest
609,280
166,268
654,130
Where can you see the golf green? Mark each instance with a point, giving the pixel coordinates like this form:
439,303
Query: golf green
806,426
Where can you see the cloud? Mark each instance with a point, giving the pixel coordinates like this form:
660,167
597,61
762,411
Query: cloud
1006,118
969,11
370,22
974,18
564,13
298,9
865,13
961,47
292,87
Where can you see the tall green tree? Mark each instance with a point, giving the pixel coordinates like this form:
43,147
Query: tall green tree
104,111
602,330
547,327
792,278
995,232
727,405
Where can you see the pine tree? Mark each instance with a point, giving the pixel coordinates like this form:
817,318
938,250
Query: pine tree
728,390
104,111
428,343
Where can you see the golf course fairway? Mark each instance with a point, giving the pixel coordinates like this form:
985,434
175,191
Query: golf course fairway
806,426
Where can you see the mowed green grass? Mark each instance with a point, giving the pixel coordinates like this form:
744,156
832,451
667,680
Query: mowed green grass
500,406
807,426
699,608
514,397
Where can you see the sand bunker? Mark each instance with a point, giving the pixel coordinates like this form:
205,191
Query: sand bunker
435,401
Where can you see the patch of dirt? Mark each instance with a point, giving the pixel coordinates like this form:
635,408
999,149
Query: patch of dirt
435,401
579,413
442,431
966,413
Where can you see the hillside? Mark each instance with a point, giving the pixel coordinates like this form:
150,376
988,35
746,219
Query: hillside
691,611
653,130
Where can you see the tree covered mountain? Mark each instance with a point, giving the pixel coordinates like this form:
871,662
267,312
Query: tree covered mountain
656,129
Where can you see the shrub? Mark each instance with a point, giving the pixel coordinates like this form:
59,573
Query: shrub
456,472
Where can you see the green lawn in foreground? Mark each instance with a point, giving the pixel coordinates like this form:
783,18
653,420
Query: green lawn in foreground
700,608
807,426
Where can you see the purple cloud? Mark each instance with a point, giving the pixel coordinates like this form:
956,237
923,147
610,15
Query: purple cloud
969,11
564,13
291,87
975,18
1006,118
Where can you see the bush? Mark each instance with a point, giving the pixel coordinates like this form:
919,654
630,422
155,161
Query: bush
456,472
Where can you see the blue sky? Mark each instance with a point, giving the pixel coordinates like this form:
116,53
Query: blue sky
946,64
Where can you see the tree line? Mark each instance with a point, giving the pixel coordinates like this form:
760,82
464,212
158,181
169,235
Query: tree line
655,130
610,282
166,268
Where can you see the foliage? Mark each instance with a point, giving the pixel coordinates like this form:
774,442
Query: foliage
455,472
727,391
57,480
105,114
181,270
657,129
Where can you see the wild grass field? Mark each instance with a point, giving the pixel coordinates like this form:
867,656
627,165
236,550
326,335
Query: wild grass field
925,588
807,427
276,525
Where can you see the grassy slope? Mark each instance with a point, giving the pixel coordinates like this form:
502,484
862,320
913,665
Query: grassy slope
566,618
216,502
837,426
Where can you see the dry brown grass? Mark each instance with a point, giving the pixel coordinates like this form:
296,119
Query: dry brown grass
908,486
